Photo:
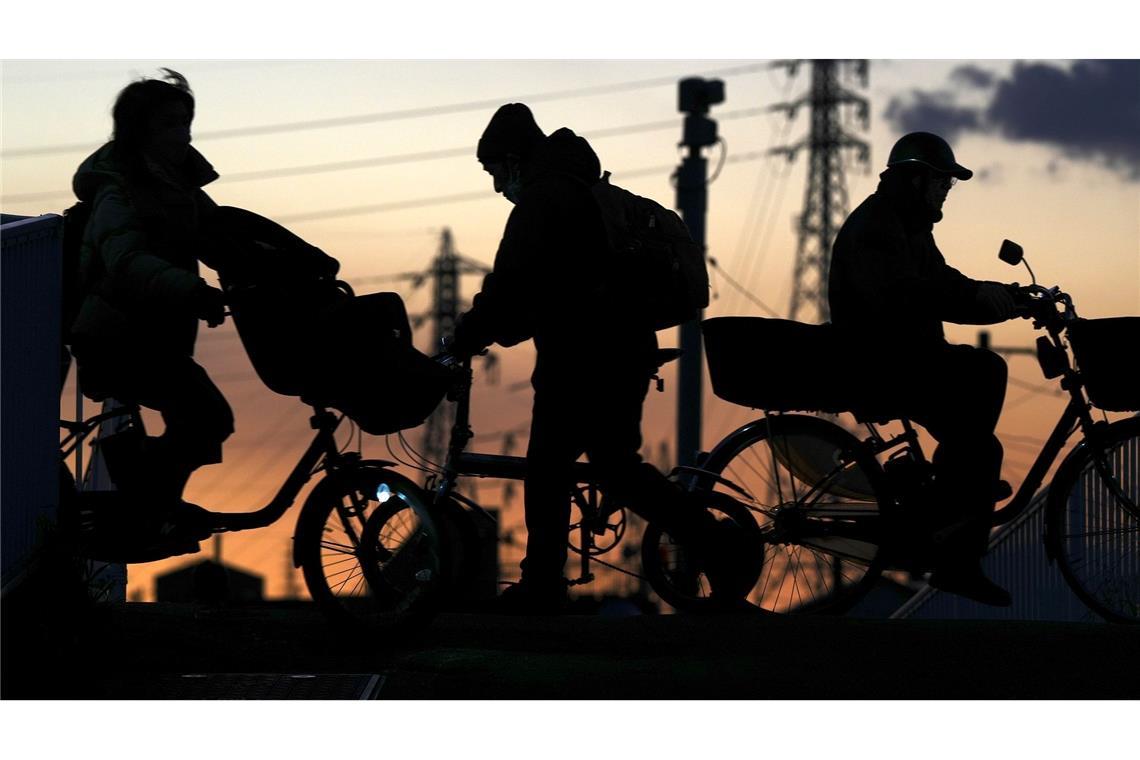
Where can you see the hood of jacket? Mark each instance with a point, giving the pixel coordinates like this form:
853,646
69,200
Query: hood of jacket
104,166
563,152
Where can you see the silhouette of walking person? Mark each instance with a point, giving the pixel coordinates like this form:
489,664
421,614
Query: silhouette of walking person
142,298
890,290
594,362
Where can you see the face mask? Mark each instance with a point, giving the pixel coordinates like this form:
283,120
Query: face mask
512,189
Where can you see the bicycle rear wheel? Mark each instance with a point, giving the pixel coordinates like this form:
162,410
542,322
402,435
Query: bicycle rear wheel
816,494
1094,533
370,551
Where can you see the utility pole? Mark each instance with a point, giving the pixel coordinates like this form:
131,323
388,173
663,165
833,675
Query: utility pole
696,96
825,200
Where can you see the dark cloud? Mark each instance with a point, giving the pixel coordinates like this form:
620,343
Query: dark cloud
931,112
990,173
974,76
1090,111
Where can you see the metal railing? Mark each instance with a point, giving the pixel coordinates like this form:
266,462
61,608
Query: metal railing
1017,561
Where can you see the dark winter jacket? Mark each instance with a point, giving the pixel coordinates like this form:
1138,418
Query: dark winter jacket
139,257
551,269
890,288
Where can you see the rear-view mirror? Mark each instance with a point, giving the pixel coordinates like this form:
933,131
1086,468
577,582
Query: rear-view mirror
1011,253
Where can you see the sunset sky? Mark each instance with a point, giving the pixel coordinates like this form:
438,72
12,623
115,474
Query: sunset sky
1053,144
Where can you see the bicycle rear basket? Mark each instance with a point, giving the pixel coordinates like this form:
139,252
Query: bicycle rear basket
776,364
1099,345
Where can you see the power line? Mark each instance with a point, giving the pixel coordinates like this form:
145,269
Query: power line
377,208
747,294
468,151
763,224
394,159
409,113
470,196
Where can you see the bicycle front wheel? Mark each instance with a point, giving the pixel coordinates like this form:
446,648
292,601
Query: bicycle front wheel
1093,522
370,551
815,492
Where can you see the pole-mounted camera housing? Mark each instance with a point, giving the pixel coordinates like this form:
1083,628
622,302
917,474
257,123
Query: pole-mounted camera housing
697,95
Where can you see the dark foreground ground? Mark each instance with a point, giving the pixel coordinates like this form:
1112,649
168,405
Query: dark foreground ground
286,650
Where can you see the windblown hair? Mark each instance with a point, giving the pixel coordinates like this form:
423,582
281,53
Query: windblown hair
138,101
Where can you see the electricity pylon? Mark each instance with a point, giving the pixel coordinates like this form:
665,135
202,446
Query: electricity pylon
825,200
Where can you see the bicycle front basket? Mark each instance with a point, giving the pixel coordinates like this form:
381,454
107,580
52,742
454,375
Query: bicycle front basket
1099,345
775,364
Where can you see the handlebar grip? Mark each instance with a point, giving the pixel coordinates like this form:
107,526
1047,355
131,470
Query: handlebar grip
1024,302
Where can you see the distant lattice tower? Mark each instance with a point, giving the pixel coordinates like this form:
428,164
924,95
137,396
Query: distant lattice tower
825,200
445,310
446,269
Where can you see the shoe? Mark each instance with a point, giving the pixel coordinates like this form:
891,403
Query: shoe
186,521
970,582
177,530
525,598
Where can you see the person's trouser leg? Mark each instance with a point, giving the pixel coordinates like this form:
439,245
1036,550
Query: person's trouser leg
550,458
614,448
966,390
196,415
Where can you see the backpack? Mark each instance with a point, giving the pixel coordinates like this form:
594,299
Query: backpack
661,269
74,223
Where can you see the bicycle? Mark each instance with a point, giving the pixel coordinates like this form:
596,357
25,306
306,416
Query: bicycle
598,524
387,583
833,517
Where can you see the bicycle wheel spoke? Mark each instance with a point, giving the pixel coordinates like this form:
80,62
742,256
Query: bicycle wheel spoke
340,561
335,547
346,581
741,478
807,581
356,588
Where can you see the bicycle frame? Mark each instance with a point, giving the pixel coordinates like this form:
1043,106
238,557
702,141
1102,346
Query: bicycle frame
462,463
321,454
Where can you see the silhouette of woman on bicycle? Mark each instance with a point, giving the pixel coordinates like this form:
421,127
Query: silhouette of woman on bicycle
142,298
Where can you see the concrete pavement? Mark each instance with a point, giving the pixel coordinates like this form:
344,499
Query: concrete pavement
286,650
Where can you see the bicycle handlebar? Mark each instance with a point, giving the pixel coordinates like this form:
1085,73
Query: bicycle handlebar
1039,303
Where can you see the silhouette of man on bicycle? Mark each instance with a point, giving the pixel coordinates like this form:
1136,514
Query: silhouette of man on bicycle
142,298
890,290
594,363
